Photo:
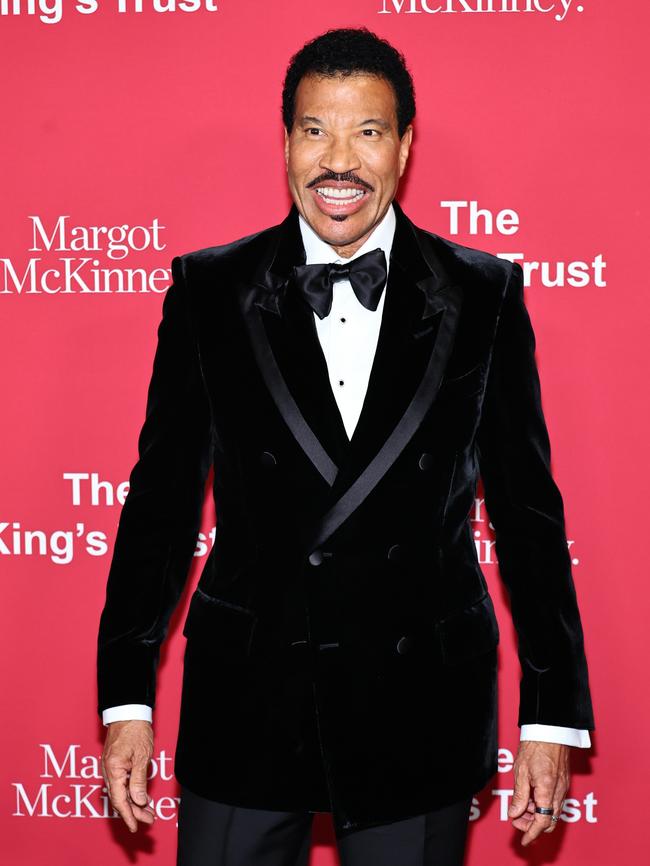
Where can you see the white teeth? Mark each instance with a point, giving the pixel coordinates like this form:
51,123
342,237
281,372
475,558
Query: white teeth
335,192
333,195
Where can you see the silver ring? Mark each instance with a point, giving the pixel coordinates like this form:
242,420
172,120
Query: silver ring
555,818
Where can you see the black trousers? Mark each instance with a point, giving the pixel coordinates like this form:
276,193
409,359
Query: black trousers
215,834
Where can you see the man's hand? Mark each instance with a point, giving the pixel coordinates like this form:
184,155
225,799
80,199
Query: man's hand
544,768
127,751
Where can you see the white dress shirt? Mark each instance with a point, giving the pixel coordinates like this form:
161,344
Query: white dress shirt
348,337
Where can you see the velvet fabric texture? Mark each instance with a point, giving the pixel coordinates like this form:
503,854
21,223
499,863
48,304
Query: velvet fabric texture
342,643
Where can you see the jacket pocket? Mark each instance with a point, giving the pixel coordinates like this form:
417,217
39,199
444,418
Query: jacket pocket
468,633
220,625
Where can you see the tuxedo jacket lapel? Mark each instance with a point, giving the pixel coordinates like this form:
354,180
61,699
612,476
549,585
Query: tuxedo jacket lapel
288,352
302,364
406,339
416,336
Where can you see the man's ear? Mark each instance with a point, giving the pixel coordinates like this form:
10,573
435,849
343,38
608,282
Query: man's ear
286,148
404,148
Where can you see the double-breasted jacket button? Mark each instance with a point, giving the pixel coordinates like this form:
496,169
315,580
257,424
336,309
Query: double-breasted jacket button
404,644
268,459
395,552
316,557
426,460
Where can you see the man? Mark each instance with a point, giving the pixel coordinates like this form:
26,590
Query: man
349,375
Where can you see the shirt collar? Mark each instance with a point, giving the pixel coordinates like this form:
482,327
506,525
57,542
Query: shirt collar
319,251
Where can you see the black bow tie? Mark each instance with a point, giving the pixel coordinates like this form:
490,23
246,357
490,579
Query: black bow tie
367,275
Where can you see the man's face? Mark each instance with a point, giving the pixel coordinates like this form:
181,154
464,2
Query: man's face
344,156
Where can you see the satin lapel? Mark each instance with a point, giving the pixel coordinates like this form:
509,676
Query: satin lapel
403,350
293,339
419,322
286,346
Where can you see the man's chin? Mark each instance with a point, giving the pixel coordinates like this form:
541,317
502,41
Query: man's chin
338,229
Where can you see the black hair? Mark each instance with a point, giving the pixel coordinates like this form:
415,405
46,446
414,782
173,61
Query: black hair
347,51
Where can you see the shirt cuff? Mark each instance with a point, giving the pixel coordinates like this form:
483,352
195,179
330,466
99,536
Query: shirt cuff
556,734
126,713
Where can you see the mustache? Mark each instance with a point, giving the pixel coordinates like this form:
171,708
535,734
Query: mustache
346,177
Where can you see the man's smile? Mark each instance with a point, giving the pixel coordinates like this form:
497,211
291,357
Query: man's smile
336,198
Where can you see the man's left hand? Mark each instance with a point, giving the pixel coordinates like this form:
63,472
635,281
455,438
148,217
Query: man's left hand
541,779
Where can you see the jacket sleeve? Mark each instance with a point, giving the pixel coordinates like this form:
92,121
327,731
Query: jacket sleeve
526,510
160,518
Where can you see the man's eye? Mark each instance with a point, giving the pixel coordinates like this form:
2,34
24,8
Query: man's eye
371,131
313,129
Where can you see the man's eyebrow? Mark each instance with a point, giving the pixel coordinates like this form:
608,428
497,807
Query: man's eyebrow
383,123
308,118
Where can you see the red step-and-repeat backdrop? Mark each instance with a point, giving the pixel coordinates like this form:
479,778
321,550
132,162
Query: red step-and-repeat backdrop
160,120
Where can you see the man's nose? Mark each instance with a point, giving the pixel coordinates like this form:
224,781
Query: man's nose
339,157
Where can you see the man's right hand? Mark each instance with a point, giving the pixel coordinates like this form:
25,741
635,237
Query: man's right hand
127,751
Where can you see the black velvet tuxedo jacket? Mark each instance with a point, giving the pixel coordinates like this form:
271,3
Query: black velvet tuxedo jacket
342,643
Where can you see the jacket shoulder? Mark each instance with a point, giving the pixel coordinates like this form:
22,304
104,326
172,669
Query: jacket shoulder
466,262
239,251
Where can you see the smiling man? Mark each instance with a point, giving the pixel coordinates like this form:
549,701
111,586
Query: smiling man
349,376
343,199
